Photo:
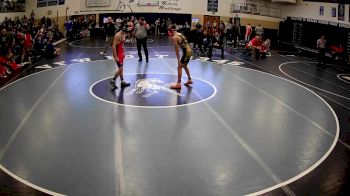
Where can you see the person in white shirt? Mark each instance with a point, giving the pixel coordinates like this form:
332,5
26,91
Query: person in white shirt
321,47
259,30
141,37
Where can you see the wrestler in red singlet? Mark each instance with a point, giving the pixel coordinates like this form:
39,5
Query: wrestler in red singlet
118,54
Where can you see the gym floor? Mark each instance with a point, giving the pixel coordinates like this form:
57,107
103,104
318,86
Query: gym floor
274,126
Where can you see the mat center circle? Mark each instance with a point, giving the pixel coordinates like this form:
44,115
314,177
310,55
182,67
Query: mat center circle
152,90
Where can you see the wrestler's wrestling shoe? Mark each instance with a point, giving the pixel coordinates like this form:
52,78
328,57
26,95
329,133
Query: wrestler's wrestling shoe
176,86
189,82
112,82
124,84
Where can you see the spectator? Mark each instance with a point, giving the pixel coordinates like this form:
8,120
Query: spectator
235,34
229,27
321,47
214,27
168,23
248,32
221,27
254,47
51,50
163,27
157,24
259,30
27,46
218,43
16,42
206,41
68,25
109,29
196,36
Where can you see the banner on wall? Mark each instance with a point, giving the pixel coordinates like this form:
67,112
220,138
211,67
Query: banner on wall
331,1
213,5
149,2
44,3
341,12
334,12
321,10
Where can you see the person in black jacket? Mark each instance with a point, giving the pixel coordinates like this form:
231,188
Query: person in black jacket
235,34
197,33
206,41
218,43
109,29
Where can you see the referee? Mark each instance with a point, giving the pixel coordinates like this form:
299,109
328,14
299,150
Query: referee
141,37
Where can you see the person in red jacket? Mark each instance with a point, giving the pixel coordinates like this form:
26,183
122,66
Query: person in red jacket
254,46
27,46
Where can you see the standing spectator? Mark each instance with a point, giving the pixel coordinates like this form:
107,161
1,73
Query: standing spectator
163,28
48,22
141,37
221,27
197,33
27,46
119,24
109,30
68,25
259,30
248,32
43,21
235,32
215,27
229,27
209,27
321,47
157,23
168,23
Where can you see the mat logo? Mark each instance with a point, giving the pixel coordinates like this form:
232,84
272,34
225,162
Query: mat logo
151,86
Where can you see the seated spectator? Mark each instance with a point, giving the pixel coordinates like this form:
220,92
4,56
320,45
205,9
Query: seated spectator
206,41
39,44
254,46
218,43
265,48
52,51
16,41
7,65
338,52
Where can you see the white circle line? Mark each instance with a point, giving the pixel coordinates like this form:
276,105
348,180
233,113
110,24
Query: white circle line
152,107
339,76
281,70
255,193
97,47
61,66
314,166
327,81
36,187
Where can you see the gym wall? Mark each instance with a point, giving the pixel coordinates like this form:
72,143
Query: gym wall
197,8
11,15
311,10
